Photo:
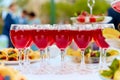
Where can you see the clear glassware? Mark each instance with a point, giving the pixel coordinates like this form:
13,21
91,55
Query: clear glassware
83,38
63,39
102,43
90,4
19,37
26,64
41,39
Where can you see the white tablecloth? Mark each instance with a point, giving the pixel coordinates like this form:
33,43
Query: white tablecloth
72,76
92,76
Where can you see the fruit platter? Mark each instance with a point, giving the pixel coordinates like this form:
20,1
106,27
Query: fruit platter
84,17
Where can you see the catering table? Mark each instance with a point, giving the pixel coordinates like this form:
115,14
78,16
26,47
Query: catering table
72,76
75,76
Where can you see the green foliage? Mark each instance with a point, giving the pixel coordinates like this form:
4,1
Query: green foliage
45,9
81,5
22,3
64,9
67,10
100,6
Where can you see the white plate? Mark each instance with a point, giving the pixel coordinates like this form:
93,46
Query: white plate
106,20
16,62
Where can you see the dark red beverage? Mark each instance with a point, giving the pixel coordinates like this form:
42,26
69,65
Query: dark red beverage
41,38
82,38
30,37
62,38
51,34
99,39
19,38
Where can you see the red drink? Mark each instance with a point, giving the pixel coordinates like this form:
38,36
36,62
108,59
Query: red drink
82,38
30,37
51,34
99,39
116,6
62,38
41,38
19,38
29,43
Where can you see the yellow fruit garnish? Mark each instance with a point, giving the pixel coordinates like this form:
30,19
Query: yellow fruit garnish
72,52
110,33
117,75
112,52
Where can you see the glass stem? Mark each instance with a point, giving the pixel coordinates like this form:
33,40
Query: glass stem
20,59
104,58
26,57
83,58
42,52
48,52
100,59
62,59
62,55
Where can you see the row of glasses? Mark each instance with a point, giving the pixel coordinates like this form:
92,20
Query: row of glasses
43,36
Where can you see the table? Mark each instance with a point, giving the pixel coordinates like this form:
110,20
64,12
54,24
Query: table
93,76
72,76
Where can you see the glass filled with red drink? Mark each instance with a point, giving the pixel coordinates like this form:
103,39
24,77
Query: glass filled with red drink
82,37
42,38
20,37
100,40
62,39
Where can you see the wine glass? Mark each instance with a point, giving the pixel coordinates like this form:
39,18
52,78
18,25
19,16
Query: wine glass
28,30
19,38
41,39
101,42
116,5
62,39
82,38
51,41
90,4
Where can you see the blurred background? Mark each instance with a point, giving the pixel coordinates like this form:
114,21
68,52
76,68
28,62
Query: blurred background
53,11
